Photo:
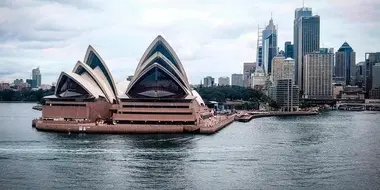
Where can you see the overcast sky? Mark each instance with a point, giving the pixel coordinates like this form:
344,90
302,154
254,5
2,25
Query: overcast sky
211,37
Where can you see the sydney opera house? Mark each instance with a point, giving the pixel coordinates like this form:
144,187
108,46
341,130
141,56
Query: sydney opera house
157,99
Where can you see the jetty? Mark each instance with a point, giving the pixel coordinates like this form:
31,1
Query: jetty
248,116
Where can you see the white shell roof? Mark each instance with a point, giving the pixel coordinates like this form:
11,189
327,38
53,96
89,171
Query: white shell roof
85,83
198,97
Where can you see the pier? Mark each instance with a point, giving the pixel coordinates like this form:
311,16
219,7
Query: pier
248,116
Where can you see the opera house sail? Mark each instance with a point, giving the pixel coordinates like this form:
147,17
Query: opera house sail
157,99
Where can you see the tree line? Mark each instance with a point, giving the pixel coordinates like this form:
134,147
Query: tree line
251,96
25,95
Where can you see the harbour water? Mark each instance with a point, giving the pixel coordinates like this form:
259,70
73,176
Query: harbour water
333,150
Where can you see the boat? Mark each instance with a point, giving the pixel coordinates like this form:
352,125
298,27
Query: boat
37,107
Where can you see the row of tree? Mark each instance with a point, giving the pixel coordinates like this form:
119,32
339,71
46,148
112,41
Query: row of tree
26,95
223,93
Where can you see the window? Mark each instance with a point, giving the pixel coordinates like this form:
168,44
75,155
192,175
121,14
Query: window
156,84
68,88
160,61
160,47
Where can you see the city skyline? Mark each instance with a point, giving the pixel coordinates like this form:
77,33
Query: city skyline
55,43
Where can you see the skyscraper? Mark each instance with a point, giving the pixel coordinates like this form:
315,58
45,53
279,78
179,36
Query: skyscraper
376,76
36,76
318,75
248,69
277,68
269,46
287,94
283,68
370,60
259,53
237,80
360,74
289,50
306,38
345,64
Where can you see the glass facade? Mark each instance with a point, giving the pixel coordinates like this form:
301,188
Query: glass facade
68,88
160,47
163,63
288,50
156,84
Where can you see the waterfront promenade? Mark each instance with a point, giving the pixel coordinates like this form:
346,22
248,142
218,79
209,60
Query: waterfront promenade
206,126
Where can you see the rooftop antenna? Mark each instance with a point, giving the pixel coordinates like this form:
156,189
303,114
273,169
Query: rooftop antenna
303,3
271,15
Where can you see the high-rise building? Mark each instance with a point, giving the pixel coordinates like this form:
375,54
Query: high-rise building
359,74
208,81
223,81
289,69
248,69
36,76
318,75
283,68
376,76
269,46
284,92
287,94
259,45
237,79
306,38
289,50
277,68
31,83
370,60
345,64
258,79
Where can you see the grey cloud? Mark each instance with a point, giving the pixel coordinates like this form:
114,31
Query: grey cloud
6,72
10,68
41,25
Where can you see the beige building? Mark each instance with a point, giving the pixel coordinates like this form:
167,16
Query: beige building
283,68
248,69
318,75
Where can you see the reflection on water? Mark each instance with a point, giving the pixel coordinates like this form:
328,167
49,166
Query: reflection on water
332,150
